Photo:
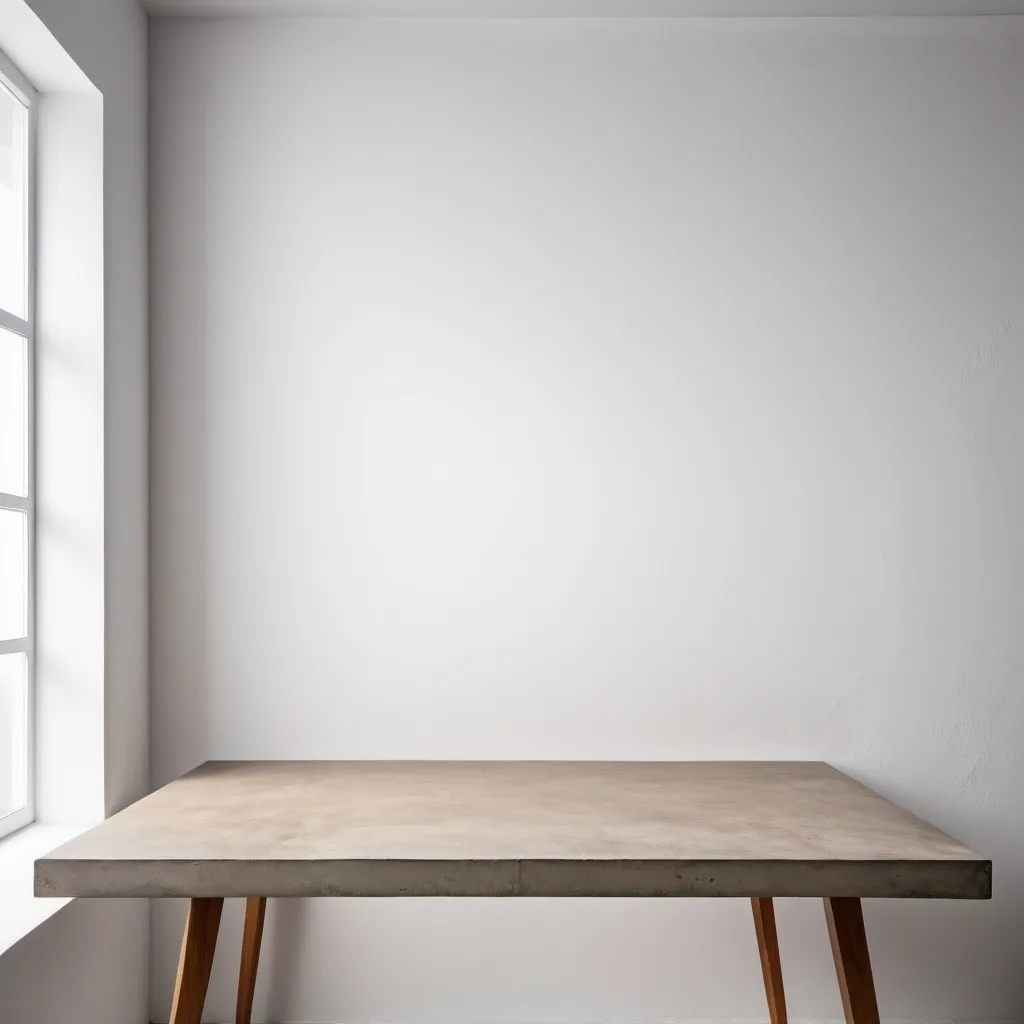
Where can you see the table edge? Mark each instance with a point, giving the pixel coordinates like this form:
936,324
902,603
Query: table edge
966,878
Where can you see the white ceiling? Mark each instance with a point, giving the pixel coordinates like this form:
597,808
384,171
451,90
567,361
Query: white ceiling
590,8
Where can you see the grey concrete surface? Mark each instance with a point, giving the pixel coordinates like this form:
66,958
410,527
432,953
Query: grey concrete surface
451,828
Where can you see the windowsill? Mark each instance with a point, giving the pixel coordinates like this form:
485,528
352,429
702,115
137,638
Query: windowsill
20,911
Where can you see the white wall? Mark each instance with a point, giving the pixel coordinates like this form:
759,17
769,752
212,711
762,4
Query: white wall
595,389
108,40
82,965
93,561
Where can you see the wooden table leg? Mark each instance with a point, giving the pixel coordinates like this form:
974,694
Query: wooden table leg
252,936
771,963
853,964
196,960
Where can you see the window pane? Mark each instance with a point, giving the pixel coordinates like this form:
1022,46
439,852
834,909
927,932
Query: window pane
13,574
13,731
13,203
13,413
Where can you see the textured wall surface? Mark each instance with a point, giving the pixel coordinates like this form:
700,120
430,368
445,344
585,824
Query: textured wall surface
589,389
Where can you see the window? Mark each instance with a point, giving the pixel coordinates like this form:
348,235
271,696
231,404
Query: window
17,437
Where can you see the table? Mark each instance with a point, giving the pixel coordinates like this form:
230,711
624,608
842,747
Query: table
757,830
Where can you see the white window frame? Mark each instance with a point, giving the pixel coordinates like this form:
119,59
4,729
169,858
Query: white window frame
15,82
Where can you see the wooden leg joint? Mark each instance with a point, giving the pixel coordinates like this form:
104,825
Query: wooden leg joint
771,962
196,960
252,936
853,964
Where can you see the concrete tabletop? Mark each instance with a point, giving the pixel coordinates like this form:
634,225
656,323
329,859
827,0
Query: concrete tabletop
507,828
